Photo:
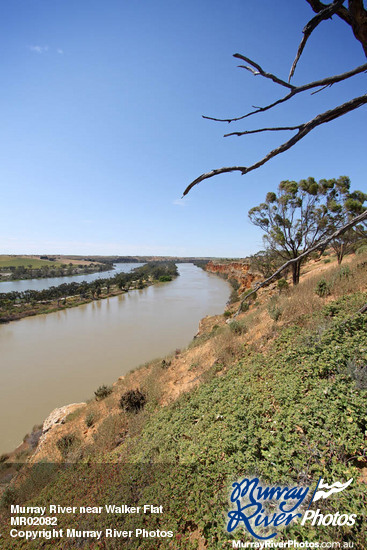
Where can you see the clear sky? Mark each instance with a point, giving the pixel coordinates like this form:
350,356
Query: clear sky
101,127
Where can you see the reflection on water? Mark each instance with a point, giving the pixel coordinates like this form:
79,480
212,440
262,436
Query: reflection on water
55,359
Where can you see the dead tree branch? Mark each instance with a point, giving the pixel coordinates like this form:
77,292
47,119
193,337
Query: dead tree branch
257,69
342,12
274,129
321,244
323,83
322,15
303,130
355,16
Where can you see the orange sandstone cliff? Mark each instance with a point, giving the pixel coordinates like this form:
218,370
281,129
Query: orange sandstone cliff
239,270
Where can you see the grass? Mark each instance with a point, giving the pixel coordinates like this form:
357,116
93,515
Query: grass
16,261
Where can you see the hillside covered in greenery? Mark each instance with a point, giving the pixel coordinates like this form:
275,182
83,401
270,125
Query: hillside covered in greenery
284,400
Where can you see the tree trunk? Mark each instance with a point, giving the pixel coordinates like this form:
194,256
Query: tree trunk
296,269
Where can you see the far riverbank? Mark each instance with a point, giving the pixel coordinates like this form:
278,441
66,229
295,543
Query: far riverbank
17,305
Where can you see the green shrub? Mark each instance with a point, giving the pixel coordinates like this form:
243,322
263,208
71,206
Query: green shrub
133,401
66,443
234,283
227,313
90,419
323,288
331,310
102,392
344,272
165,278
362,249
245,306
327,260
274,310
237,327
282,285
233,297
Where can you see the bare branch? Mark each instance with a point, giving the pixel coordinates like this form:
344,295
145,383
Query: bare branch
212,173
358,23
259,70
328,81
321,89
303,130
321,244
355,17
325,13
263,130
342,12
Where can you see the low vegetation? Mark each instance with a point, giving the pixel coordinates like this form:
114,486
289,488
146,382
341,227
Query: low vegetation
102,392
133,401
283,400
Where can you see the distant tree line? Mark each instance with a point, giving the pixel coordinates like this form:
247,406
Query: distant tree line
137,278
46,271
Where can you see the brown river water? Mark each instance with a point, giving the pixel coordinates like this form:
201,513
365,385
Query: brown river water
51,360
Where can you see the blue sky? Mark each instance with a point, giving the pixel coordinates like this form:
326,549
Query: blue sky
101,127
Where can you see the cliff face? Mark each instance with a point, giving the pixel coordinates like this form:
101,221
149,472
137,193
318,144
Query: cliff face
240,271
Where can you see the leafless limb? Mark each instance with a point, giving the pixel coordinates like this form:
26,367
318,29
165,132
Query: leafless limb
321,89
303,130
321,244
323,83
274,129
318,6
355,16
256,69
322,15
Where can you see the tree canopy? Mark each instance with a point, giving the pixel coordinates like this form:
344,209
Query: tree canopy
302,214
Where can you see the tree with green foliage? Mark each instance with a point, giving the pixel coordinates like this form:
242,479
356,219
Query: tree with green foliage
265,261
342,208
302,214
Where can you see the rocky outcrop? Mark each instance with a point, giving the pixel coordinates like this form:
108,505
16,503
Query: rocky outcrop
240,271
54,419
58,416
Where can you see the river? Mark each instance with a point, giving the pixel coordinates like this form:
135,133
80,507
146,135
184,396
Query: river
51,360
41,284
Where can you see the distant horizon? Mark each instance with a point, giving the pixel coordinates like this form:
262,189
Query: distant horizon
120,255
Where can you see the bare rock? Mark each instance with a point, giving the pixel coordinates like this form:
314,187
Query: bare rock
58,416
